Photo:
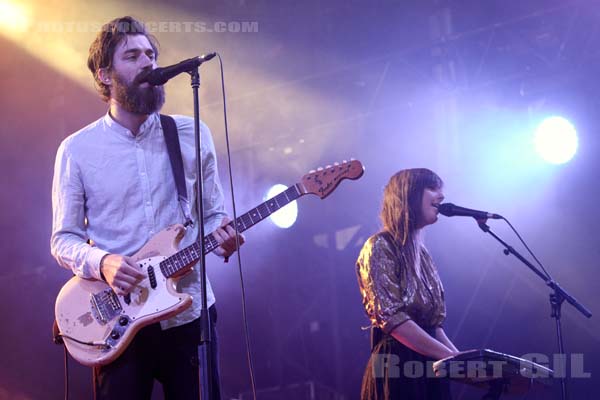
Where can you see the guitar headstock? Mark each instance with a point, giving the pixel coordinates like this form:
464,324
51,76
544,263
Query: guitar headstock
323,181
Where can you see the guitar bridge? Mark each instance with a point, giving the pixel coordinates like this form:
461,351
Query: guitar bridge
105,306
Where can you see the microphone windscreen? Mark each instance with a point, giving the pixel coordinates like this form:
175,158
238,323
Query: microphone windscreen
446,209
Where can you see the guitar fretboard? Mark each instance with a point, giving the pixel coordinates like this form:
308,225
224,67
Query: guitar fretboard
183,258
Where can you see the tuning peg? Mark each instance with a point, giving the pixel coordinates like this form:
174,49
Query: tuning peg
328,166
344,162
351,158
335,164
312,171
320,169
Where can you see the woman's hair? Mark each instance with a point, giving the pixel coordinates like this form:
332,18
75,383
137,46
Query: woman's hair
402,203
104,45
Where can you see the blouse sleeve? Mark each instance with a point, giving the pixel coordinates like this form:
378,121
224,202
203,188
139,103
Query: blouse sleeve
378,271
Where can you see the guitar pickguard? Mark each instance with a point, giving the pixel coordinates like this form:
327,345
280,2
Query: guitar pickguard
88,311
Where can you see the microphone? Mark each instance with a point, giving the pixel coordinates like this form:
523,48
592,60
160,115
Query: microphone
451,210
160,76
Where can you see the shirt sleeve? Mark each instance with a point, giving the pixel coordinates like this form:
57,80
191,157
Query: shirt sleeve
380,286
69,240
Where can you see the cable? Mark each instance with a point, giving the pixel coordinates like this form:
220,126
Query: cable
102,345
57,338
528,249
66,373
237,237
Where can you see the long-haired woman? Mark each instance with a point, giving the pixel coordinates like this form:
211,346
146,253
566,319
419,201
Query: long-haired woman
403,295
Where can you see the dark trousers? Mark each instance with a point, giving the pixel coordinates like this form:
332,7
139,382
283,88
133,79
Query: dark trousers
386,379
171,356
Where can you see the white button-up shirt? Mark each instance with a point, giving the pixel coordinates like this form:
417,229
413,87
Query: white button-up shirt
118,190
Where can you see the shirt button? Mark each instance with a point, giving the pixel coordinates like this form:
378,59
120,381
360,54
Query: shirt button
148,203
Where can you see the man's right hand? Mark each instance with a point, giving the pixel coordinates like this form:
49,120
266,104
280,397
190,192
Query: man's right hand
121,273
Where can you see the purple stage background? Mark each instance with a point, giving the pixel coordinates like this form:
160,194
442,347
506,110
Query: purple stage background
456,86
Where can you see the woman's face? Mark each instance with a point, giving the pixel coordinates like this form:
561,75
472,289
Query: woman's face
429,206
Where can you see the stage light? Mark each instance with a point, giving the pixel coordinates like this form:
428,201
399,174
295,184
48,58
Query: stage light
556,140
286,216
14,18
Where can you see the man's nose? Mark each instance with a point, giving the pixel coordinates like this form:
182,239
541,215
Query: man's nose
147,61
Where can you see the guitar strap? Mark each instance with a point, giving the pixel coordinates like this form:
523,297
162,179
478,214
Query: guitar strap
174,149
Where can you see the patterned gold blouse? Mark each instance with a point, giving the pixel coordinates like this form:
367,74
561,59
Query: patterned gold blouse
393,293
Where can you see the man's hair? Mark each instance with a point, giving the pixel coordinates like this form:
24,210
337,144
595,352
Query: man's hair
102,49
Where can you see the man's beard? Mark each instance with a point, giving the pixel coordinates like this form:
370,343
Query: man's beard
136,99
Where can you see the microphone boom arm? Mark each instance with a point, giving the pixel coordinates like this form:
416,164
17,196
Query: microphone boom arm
557,297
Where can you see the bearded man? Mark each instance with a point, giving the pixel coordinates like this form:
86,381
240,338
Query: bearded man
113,189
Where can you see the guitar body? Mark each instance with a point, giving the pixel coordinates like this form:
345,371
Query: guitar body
97,325
89,311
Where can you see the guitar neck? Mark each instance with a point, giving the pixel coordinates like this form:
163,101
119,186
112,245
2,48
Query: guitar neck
191,254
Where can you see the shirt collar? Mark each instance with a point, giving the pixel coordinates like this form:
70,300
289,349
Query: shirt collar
146,127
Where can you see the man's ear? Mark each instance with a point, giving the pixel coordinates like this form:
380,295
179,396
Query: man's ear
104,76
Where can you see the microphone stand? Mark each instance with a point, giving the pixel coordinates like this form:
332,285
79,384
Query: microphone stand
206,378
557,297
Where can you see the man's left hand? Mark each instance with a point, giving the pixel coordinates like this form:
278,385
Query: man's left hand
225,235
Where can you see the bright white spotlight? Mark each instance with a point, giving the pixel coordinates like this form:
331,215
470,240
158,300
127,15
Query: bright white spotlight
556,140
14,17
286,216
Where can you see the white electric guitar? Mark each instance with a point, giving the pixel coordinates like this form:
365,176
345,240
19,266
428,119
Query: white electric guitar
97,325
